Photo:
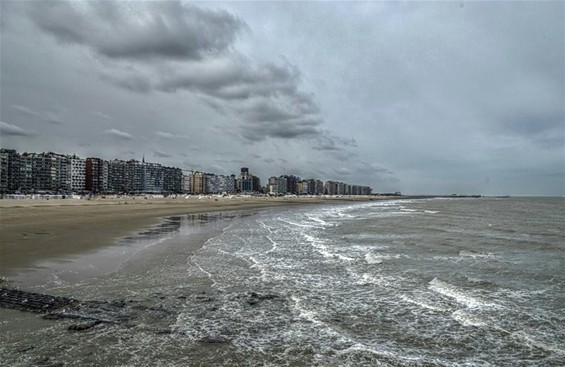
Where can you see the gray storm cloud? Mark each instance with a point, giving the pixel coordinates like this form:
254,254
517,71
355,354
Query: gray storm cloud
142,30
7,129
173,47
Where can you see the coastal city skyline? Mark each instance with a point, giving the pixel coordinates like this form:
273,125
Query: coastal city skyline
417,97
55,173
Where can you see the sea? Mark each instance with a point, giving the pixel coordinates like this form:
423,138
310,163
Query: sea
420,282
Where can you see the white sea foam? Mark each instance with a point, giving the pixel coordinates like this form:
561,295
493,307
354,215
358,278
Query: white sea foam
303,312
380,280
423,304
467,318
473,254
262,267
56,279
358,347
323,249
457,294
367,248
319,220
265,226
274,246
395,356
208,274
529,341
304,225
371,258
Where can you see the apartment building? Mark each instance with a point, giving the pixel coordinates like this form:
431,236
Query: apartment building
153,178
219,184
116,176
96,175
78,174
134,177
186,188
172,180
9,170
198,182
26,172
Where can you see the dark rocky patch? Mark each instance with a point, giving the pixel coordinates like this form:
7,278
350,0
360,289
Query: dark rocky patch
84,326
214,340
34,302
256,298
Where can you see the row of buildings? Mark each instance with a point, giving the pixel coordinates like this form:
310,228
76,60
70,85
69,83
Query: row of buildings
59,173
27,173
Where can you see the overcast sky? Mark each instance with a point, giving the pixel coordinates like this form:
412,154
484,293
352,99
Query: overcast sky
419,97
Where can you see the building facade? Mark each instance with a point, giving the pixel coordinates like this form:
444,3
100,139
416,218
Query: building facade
78,174
220,184
96,175
198,183
186,188
26,173
57,173
116,176
9,171
172,180
153,178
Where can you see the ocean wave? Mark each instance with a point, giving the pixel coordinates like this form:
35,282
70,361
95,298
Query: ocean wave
302,225
467,318
531,342
473,254
373,259
459,295
383,281
324,250
423,304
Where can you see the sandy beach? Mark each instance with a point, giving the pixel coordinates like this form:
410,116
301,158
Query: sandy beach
36,230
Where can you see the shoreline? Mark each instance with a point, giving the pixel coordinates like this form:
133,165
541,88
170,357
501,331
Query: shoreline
33,231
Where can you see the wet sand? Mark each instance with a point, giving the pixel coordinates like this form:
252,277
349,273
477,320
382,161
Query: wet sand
35,230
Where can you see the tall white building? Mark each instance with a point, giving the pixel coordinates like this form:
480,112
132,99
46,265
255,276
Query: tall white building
78,174
186,188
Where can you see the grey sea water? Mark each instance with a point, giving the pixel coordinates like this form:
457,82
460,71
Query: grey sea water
437,282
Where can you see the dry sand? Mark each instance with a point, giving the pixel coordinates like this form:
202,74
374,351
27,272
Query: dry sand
35,230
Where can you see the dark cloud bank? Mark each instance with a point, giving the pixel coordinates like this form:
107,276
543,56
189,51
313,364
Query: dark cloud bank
171,47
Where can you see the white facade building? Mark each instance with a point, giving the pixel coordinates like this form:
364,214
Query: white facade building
78,174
